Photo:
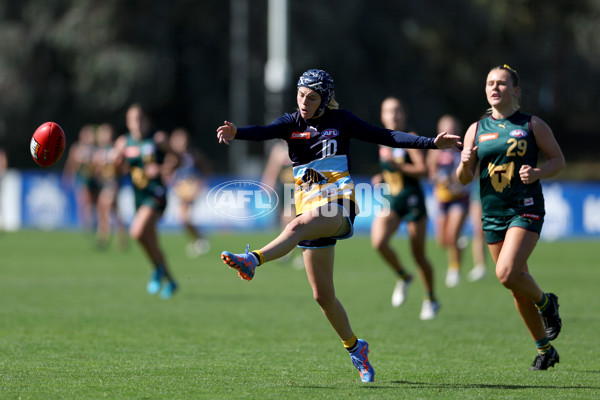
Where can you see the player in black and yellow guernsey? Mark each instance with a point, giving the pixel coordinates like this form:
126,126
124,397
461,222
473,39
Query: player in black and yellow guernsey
506,144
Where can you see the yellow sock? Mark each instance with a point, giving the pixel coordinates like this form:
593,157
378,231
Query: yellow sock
261,257
348,344
454,266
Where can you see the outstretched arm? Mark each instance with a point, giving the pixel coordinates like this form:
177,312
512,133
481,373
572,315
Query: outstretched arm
277,129
369,133
445,140
226,132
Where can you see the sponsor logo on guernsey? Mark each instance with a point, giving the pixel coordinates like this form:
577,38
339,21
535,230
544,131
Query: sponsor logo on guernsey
331,191
300,135
488,136
518,133
132,151
329,133
532,216
528,201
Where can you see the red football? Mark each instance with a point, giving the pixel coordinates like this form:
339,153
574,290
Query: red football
47,144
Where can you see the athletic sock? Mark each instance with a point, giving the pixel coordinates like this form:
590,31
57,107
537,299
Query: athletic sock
259,256
454,265
160,267
429,296
543,304
402,274
351,344
543,345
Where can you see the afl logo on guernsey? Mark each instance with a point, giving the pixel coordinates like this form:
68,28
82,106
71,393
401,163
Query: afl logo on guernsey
518,133
329,133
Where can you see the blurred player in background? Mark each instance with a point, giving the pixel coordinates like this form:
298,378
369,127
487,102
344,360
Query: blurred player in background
108,177
78,173
452,198
143,151
506,146
318,136
401,170
187,182
279,175
478,249
3,169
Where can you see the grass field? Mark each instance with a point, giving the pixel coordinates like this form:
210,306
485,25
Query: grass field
76,323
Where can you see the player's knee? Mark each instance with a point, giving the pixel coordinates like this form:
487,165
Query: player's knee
324,299
378,243
295,227
445,241
422,262
135,232
506,276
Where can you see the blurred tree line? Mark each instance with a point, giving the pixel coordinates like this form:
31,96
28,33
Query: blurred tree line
84,61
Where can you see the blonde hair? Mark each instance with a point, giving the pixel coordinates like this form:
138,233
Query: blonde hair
333,104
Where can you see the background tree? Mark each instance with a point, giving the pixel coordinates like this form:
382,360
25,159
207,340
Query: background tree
85,61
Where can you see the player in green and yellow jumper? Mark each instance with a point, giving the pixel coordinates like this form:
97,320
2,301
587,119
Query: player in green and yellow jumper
506,145
144,151
401,170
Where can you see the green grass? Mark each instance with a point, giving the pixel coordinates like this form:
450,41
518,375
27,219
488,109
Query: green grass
76,323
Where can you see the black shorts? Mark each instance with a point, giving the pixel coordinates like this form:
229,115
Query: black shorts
350,210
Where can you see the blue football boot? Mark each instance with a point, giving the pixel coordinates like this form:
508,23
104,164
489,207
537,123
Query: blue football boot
155,282
245,263
360,359
168,290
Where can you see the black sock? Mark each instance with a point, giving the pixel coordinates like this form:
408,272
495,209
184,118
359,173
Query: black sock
257,257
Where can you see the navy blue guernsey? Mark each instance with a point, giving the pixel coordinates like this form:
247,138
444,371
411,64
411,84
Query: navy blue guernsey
320,151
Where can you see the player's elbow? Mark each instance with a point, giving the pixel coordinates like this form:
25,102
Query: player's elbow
556,164
562,164
464,179
421,171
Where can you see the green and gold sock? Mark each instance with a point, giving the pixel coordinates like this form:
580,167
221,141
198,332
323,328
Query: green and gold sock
543,303
543,345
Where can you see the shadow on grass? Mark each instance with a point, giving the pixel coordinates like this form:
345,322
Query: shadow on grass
428,385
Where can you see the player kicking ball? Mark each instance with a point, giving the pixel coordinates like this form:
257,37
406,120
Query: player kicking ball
318,137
